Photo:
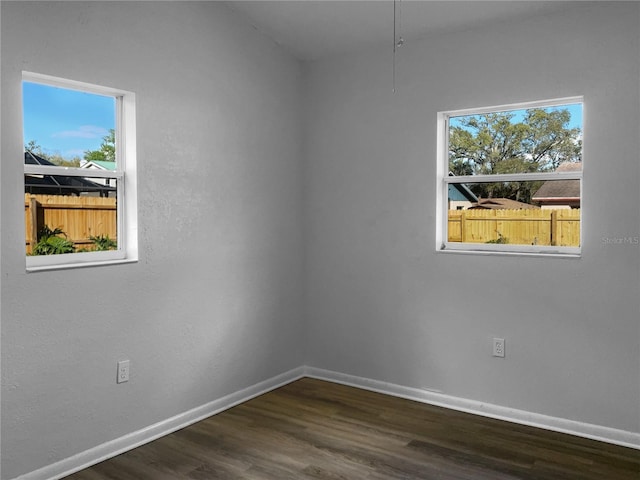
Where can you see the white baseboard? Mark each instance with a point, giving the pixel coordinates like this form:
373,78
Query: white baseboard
595,432
132,440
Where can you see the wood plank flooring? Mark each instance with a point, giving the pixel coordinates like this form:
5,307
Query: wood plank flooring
311,429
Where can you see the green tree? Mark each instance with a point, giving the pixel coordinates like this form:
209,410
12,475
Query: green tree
107,150
63,162
57,159
494,143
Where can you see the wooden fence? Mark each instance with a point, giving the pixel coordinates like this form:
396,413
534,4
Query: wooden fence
78,217
518,227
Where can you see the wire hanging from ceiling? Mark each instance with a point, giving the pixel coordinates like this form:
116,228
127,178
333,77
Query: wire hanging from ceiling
398,41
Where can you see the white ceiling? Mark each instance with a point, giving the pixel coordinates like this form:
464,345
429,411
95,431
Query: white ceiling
312,29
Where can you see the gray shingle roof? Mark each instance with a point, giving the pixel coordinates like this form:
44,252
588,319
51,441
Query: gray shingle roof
560,189
501,204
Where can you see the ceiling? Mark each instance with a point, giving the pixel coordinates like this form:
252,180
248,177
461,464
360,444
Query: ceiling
313,29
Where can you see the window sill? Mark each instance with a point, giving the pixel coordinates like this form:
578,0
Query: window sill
67,266
512,253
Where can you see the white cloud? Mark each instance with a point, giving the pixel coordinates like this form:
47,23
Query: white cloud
84,131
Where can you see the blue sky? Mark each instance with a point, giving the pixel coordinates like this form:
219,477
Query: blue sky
575,110
65,122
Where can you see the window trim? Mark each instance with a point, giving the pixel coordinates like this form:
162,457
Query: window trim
444,180
125,175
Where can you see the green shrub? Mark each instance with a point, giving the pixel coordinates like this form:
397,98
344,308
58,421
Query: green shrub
500,239
103,242
52,242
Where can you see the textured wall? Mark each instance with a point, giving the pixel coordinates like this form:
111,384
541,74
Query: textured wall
213,305
382,304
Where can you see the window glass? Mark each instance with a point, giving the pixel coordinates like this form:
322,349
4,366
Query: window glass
68,127
515,141
542,220
82,212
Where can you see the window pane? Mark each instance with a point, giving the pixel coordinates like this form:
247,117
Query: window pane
516,213
516,141
68,127
69,214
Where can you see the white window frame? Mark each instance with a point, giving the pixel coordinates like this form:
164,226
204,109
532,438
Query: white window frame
444,180
124,174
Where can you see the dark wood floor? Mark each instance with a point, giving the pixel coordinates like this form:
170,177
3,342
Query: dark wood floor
312,429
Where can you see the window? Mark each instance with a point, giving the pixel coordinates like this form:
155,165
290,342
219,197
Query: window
79,173
510,178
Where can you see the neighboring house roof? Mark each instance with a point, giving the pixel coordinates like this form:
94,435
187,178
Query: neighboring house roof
560,191
501,204
58,184
100,164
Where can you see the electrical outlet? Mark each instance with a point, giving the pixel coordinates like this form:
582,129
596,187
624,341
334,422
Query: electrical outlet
498,347
123,371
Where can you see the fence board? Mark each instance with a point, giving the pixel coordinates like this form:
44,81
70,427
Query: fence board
78,217
519,227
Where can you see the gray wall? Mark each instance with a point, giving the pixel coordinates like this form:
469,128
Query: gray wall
383,305
214,304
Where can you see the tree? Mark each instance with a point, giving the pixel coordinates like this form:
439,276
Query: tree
57,159
494,143
33,147
107,151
